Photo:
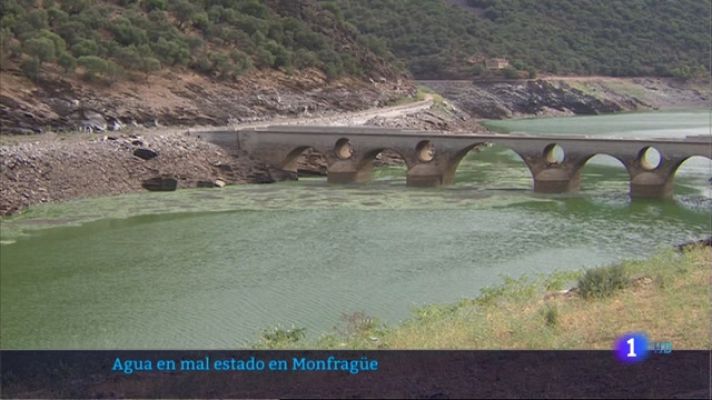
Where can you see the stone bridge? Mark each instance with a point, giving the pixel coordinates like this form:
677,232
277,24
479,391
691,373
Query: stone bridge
431,157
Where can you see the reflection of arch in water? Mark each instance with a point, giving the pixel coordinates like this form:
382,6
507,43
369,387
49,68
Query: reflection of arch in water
498,154
605,167
696,170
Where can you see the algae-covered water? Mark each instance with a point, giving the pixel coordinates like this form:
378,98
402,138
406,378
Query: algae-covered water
213,268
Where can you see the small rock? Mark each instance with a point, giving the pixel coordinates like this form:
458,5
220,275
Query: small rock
137,142
145,153
211,184
114,125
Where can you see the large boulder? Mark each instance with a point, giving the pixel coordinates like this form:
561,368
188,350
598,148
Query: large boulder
160,184
144,153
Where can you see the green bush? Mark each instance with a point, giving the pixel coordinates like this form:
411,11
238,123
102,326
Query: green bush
42,49
31,68
94,66
85,47
551,315
602,282
279,337
67,62
510,73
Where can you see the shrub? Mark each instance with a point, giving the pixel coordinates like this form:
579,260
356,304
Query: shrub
31,68
150,5
93,66
531,73
510,73
40,48
279,337
150,64
85,47
551,315
602,282
67,62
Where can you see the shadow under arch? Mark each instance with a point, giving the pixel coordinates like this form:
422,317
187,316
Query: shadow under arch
603,171
692,174
305,161
491,166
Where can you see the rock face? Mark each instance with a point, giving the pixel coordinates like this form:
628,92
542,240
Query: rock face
58,103
552,97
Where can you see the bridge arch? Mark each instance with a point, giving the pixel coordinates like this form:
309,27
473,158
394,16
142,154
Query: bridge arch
601,168
370,156
698,169
497,155
305,160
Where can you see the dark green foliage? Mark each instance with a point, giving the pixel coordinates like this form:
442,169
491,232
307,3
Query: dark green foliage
613,37
40,48
510,73
85,47
223,38
31,68
67,62
280,337
551,315
94,66
602,282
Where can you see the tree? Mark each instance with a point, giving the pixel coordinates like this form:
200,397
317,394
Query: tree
183,10
93,66
41,48
67,62
85,47
150,64
31,68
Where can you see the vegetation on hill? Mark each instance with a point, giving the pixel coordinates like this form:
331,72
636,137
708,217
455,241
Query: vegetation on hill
111,40
614,38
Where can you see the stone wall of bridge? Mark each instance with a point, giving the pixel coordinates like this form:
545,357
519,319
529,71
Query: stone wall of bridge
555,162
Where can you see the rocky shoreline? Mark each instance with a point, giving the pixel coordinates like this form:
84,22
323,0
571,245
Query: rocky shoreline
570,96
58,167
41,172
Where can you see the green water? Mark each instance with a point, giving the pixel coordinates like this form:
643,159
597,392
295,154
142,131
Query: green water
212,268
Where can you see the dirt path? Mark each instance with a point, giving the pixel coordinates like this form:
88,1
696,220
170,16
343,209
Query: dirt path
348,118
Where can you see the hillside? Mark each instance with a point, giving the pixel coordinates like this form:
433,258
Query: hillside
118,39
437,38
92,64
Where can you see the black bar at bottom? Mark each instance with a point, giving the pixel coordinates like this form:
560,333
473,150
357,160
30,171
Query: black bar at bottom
410,374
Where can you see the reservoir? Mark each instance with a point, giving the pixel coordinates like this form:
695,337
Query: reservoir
213,268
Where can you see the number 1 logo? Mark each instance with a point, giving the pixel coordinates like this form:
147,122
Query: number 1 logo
631,347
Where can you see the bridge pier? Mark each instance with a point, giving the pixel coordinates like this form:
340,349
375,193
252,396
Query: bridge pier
556,180
427,175
346,171
650,186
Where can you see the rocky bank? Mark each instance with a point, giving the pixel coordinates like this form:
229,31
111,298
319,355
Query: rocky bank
183,98
565,96
45,171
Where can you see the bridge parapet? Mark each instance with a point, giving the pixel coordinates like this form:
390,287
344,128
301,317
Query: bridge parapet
432,158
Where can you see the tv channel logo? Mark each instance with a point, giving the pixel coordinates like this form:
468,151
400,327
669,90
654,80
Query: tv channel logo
631,347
